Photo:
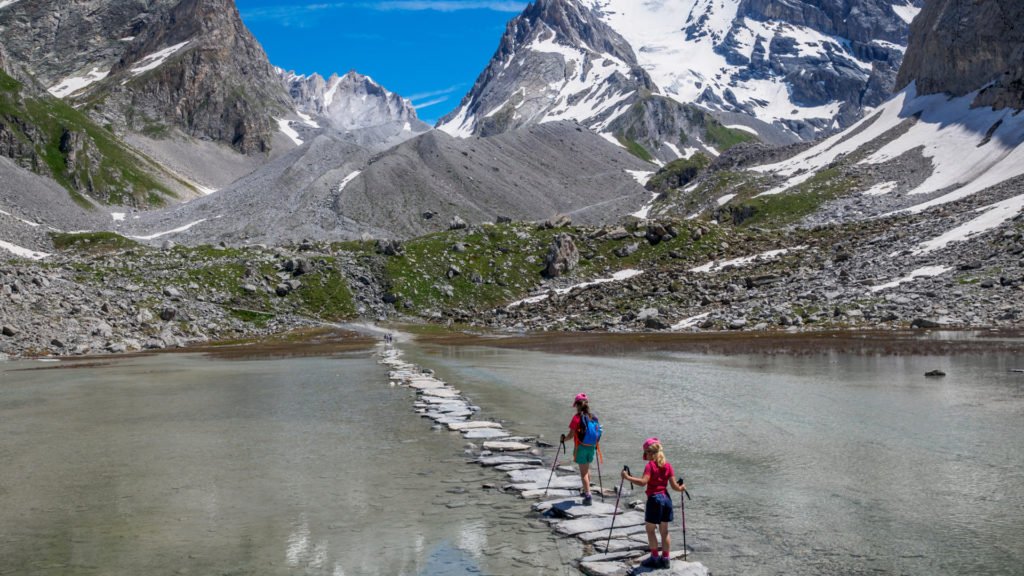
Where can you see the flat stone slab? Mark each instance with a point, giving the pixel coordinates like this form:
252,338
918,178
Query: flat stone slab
474,425
499,460
511,467
442,417
425,384
598,523
441,392
553,492
604,568
504,446
484,434
625,568
611,556
564,482
618,532
621,544
574,508
535,475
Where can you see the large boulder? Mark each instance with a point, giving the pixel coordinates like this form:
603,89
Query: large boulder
563,256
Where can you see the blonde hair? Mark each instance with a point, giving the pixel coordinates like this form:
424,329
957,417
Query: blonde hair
656,454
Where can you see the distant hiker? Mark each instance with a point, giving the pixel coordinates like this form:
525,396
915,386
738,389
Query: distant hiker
586,434
658,474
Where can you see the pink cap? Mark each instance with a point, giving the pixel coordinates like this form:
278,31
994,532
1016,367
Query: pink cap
581,397
650,441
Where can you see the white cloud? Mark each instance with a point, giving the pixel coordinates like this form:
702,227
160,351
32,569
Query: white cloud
430,102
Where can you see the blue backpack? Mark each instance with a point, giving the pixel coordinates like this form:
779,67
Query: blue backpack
590,430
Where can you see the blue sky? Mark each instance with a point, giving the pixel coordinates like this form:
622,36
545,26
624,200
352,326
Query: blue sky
429,51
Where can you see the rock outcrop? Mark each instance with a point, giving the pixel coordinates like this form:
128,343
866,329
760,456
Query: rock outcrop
350,102
959,46
151,66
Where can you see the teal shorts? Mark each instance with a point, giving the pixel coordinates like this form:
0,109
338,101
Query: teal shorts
585,454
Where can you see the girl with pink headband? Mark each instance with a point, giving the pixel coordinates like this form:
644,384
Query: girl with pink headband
658,475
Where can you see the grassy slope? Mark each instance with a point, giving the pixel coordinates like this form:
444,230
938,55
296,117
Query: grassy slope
105,169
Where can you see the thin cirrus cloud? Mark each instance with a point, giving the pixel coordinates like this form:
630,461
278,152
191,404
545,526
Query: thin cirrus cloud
292,14
433,93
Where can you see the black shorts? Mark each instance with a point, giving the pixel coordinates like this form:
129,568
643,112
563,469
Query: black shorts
658,509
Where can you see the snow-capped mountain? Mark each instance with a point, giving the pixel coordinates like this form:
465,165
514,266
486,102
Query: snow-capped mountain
556,61
949,146
350,102
804,67
811,66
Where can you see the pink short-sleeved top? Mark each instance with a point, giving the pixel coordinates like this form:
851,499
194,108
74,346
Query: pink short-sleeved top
574,426
659,478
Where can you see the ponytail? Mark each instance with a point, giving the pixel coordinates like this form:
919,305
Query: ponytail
657,455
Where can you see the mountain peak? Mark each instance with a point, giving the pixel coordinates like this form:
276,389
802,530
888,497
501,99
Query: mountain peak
349,102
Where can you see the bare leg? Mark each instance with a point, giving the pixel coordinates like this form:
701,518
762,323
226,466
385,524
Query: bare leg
585,477
652,539
666,539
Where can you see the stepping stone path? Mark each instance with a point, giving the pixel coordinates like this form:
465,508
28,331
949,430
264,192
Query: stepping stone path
518,457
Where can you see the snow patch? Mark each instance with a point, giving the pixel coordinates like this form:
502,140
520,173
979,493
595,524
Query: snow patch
640,176
307,120
743,128
18,250
992,216
6,3
926,271
723,200
906,12
347,179
156,59
690,322
715,266
881,189
69,86
286,129
118,216
175,231
616,277
22,220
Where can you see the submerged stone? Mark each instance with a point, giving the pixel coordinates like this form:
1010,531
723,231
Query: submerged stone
503,446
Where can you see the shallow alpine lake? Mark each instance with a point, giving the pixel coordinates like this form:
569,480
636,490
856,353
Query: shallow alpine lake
824,463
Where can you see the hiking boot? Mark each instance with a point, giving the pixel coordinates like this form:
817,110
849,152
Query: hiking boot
588,500
665,563
652,562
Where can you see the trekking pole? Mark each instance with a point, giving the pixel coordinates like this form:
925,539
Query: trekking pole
561,440
616,512
682,506
600,481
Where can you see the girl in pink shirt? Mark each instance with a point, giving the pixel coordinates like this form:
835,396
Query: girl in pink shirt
658,475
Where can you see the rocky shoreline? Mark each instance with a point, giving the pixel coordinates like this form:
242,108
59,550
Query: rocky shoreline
107,295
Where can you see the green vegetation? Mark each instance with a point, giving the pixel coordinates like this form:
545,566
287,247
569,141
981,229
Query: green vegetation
724,138
92,242
796,203
325,294
679,173
503,262
80,155
260,319
635,148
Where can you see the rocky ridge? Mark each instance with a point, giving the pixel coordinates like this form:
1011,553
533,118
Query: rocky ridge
350,102
189,65
958,47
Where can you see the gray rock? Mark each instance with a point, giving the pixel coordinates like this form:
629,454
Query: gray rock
562,256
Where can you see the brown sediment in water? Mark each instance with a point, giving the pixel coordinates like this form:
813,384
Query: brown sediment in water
308,342
866,343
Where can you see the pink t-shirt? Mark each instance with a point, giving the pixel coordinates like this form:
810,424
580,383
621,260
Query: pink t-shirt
574,425
659,478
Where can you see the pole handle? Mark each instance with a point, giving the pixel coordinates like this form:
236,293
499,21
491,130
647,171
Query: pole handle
561,440
685,492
